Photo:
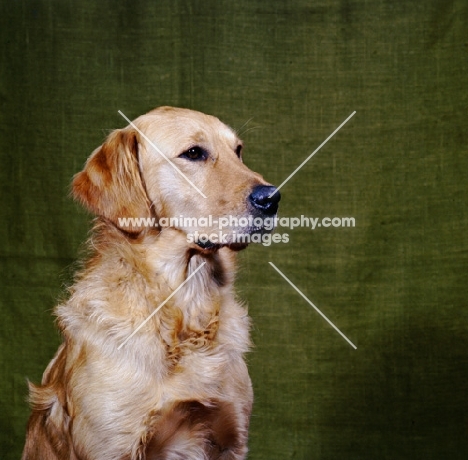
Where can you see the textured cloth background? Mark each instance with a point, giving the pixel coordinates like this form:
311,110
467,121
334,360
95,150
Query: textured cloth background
396,284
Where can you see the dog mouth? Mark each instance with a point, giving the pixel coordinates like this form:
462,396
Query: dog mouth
209,247
236,239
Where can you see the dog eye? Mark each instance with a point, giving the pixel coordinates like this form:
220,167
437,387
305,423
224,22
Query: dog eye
195,154
239,151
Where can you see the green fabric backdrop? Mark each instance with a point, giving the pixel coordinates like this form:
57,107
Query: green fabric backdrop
396,284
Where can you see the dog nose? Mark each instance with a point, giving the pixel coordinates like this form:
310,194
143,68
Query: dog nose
265,198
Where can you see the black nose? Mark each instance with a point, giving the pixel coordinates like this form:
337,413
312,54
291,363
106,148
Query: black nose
265,198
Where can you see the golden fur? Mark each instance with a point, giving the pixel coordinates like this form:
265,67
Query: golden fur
178,388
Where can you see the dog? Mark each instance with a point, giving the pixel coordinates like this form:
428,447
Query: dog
152,360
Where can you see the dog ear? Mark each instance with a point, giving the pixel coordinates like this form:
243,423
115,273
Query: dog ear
110,184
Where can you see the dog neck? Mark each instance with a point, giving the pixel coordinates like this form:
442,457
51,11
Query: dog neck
157,271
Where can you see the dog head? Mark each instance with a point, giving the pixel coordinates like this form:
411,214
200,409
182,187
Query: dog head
179,168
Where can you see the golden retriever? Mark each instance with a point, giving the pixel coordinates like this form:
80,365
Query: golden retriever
152,360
